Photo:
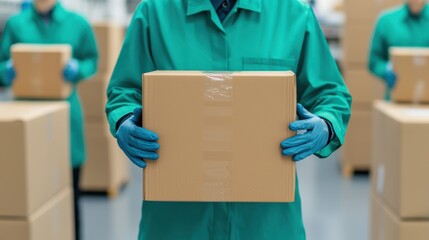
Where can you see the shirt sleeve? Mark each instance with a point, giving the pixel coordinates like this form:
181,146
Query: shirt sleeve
321,89
124,92
87,54
6,43
379,53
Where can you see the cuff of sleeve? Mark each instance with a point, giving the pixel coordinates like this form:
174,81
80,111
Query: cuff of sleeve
331,130
2,73
382,70
122,120
117,115
337,139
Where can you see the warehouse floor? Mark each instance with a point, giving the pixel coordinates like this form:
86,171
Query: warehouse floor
334,208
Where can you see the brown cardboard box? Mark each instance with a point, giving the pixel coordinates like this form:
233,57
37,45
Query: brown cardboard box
357,41
385,225
357,148
400,158
412,69
39,71
219,136
109,42
52,221
368,10
35,155
107,167
362,10
363,87
93,97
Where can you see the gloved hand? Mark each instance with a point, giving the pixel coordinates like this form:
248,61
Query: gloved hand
303,145
390,76
137,143
9,74
71,71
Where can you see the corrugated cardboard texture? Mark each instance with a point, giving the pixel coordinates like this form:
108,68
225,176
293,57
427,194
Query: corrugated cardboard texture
53,221
106,166
363,87
412,69
400,160
93,97
35,154
385,225
357,147
219,136
39,71
109,38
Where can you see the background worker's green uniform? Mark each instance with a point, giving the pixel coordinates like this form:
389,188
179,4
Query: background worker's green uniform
397,28
256,35
64,28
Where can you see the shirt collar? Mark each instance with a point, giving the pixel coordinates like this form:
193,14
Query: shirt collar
197,6
423,14
58,12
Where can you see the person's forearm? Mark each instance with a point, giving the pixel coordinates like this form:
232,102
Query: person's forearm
87,68
378,67
3,68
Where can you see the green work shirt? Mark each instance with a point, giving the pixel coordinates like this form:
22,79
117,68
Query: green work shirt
397,28
64,28
266,35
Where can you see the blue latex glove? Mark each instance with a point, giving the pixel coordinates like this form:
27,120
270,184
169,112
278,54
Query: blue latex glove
390,76
71,71
315,139
9,74
137,143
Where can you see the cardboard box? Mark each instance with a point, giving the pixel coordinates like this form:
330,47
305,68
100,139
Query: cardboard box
35,154
368,10
363,87
52,221
93,97
39,71
362,10
385,225
412,69
357,147
219,136
357,42
106,167
400,158
109,38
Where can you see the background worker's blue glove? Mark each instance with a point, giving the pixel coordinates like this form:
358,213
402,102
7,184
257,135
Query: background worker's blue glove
315,139
71,71
137,143
390,76
9,74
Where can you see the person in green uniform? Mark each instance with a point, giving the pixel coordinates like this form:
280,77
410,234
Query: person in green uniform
227,35
47,22
405,26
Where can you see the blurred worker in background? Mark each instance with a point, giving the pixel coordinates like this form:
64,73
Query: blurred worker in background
47,22
405,26
228,35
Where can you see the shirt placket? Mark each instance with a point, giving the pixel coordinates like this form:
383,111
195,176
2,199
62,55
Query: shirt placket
219,44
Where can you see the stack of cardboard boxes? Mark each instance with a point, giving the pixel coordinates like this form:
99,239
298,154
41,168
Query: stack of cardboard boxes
400,196
106,169
35,174
361,17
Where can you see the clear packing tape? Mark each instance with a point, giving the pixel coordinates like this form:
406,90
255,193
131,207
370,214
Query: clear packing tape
217,136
